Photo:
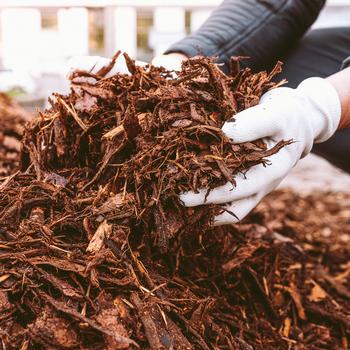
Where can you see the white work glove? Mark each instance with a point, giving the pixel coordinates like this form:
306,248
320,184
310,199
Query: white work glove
171,61
308,114
93,64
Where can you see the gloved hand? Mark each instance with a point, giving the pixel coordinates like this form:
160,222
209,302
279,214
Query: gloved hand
93,64
308,114
170,61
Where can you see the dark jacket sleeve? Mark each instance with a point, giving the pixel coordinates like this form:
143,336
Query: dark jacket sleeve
262,29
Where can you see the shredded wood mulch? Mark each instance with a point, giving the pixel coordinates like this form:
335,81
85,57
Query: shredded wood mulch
97,251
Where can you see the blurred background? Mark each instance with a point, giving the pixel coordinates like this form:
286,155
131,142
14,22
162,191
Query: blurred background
37,37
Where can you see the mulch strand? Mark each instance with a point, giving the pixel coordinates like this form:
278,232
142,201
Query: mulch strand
98,252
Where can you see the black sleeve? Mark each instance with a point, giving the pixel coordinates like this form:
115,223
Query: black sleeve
261,29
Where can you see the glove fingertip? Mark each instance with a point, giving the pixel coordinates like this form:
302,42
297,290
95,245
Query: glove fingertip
225,219
85,63
238,131
73,64
191,199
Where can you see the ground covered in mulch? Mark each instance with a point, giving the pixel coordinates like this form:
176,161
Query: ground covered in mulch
97,251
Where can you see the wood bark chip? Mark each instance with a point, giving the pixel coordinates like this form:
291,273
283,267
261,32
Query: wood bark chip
103,232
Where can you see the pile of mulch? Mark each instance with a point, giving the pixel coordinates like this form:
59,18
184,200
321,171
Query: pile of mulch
12,120
97,251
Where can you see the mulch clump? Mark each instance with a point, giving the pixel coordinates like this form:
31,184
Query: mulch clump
97,251
12,120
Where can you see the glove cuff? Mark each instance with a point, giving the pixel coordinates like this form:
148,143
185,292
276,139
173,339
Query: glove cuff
325,109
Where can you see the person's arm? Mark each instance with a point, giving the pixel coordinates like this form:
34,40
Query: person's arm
262,29
341,82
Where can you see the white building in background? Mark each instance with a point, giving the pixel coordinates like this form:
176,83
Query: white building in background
38,36
27,44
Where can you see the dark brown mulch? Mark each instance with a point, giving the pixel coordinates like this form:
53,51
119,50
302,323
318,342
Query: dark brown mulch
97,252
